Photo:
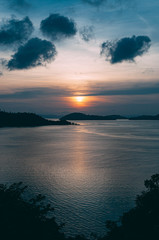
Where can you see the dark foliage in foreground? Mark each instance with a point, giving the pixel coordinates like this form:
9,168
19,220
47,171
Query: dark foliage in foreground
21,219
142,221
26,120
29,219
26,219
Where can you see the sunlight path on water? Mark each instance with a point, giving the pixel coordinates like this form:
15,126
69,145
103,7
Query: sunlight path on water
90,173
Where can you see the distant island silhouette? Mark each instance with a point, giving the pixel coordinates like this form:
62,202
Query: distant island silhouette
145,117
9,119
82,116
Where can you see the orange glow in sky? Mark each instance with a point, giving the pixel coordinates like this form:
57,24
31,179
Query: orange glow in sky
79,99
83,102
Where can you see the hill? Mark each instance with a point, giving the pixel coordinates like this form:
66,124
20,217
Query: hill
82,116
26,120
145,117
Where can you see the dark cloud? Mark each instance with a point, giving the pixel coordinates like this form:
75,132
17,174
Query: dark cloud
125,49
133,89
14,31
57,27
35,52
33,93
122,89
94,2
19,5
86,33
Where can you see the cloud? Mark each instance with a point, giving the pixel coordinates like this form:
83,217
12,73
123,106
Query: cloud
110,4
35,52
57,27
94,2
122,89
14,31
125,49
36,93
86,33
19,5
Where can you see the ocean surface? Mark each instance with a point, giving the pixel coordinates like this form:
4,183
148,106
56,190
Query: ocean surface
89,173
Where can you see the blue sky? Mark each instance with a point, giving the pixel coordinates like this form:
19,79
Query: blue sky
106,51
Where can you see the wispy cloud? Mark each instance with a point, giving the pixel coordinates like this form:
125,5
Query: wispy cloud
87,33
33,93
116,89
90,89
110,4
94,2
18,5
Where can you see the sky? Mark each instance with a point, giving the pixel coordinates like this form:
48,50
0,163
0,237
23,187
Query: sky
90,56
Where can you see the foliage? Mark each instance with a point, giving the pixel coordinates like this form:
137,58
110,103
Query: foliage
29,219
142,221
8,119
25,219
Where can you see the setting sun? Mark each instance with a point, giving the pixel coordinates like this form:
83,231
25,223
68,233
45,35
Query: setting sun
79,99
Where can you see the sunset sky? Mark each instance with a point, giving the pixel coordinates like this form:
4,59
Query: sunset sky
91,56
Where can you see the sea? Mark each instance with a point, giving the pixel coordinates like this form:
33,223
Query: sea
90,172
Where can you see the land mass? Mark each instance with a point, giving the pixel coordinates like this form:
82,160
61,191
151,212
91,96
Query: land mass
145,117
8,119
82,116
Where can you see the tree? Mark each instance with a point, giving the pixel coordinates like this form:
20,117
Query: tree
29,220
142,221
25,219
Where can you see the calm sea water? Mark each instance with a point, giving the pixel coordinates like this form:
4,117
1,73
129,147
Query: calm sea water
90,173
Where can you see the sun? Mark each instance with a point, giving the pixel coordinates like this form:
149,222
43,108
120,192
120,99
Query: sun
79,99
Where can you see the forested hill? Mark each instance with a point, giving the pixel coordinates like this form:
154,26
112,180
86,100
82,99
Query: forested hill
8,119
82,116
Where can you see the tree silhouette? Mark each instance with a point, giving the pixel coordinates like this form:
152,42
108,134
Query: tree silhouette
8,119
25,219
28,219
142,221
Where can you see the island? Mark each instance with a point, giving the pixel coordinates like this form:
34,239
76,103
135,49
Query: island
82,116
145,117
9,119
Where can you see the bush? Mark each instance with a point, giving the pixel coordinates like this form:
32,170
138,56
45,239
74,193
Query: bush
142,221
25,219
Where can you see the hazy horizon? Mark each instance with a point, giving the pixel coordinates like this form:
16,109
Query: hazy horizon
87,113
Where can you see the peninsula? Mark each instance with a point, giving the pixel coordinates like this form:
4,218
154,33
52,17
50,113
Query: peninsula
8,119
